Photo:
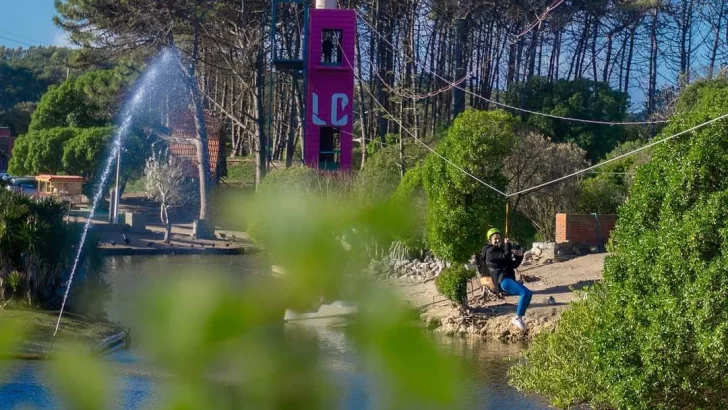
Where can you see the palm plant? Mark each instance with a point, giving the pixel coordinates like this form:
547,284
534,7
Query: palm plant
39,247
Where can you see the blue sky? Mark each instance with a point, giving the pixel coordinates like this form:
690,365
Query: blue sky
29,22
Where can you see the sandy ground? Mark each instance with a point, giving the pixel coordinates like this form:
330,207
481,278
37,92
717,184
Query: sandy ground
491,319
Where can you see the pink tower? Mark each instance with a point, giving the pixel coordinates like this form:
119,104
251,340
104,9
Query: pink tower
330,87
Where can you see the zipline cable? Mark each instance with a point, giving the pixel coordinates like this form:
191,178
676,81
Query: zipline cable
573,174
652,144
420,141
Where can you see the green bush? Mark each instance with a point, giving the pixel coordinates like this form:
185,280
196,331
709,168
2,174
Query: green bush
461,209
410,192
37,252
453,282
14,282
655,334
376,144
135,186
607,190
382,171
568,380
304,181
601,194
241,172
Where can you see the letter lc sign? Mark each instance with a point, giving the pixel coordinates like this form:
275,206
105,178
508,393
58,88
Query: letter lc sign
339,102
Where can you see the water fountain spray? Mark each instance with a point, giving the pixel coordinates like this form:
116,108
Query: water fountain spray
141,90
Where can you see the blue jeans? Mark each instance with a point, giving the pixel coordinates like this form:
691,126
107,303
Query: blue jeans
512,287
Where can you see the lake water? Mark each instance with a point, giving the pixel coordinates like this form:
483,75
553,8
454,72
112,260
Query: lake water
25,384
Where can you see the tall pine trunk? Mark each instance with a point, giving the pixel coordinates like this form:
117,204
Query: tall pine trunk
203,157
461,38
258,96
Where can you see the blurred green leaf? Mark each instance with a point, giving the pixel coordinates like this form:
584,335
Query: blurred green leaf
12,332
417,374
82,380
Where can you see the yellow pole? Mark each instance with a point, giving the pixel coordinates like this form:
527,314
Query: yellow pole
506,219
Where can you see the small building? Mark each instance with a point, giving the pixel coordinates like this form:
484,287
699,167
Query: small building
66,188
183,145
6,148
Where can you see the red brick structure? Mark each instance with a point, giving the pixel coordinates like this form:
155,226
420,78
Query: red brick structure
582,229
6,148
183,128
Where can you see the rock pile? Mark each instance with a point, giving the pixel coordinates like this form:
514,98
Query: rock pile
464,323
541,252
415,270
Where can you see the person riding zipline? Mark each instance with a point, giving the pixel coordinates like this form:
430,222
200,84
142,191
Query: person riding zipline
502,262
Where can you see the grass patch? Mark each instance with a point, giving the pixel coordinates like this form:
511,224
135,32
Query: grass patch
42,324
135,187
240,172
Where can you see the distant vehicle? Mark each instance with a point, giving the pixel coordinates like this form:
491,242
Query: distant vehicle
23,185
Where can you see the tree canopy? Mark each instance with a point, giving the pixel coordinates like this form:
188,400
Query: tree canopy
582,98
49,64
25,75
71,129
90,100
582,60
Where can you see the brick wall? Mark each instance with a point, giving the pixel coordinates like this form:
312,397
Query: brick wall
578,228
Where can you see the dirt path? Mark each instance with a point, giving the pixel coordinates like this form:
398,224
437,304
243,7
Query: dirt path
492,319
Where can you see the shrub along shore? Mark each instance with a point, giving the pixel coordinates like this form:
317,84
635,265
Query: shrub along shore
654,334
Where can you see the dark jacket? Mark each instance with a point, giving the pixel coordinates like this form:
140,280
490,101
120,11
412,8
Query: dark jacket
501,262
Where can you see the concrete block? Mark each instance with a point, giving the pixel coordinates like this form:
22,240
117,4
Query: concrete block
137,222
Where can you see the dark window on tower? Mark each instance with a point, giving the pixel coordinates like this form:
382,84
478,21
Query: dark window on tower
331,51
329,148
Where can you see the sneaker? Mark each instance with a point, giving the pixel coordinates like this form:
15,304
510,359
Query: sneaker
518,322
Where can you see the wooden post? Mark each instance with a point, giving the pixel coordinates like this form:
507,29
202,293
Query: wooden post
507,216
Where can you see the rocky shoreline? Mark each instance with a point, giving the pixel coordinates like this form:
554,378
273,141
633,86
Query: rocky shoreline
554,284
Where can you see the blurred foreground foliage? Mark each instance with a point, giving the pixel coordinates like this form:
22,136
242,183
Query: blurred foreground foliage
225,346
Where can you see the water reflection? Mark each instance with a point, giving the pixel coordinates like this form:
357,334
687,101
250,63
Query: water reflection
22,386
487,366
487,377
139,385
